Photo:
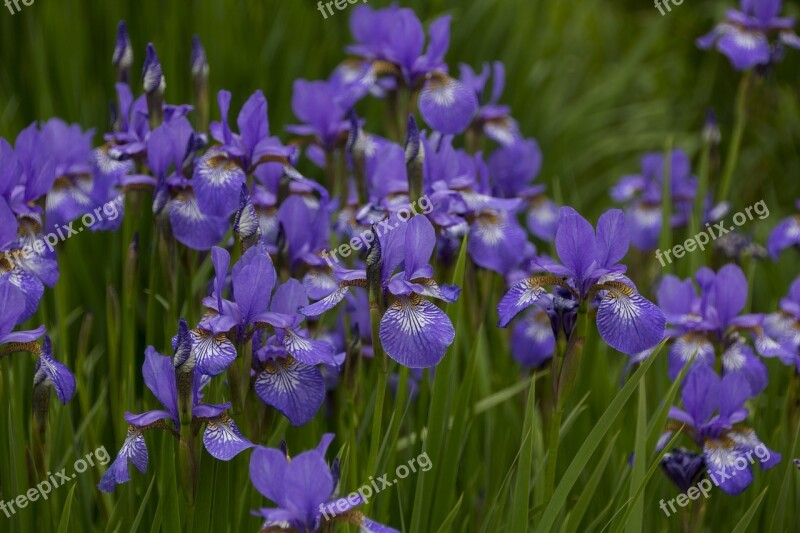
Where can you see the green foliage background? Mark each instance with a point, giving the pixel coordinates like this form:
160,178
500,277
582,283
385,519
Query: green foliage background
596,83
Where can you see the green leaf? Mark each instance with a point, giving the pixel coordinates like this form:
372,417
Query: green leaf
63,524
522,490
639,456
581,459
741,527
589,491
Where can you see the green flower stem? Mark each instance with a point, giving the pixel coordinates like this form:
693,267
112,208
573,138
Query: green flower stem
382,364
732,157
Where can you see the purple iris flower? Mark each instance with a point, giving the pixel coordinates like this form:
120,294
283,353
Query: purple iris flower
683,467
532,338
590,272
172,146
303,488
493,119
253,280
512,168
744,37
132,126
458,186
323,108
784,326
392,41
222,438
710,323
413,331
49,373
713,414
643,195
294,385
785,235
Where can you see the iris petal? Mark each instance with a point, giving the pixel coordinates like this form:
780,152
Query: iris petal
627,321
222,438
416,333
294,388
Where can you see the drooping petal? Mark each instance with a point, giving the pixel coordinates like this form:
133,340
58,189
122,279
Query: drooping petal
191,226
785,234
745,49
133,450
308,351
50,371
222,438
294,388
326,304
522,295
723,460
686,347
217,182
447,105
416,333
739,360
627,321
532,340
496,241
213,353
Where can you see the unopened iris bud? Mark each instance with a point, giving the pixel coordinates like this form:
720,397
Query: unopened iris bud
245,225
200,72
357,148
184,363
415,159
711,133
154,87
682,467
123,54
374,281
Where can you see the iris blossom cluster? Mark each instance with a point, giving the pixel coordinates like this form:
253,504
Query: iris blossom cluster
709,326
643,195
589,274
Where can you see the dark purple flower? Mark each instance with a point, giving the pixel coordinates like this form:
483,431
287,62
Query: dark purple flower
589,270
221,438
303,488
682,467
413,331
744,38
713,414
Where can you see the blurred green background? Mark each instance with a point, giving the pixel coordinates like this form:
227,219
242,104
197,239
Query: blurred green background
597,83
